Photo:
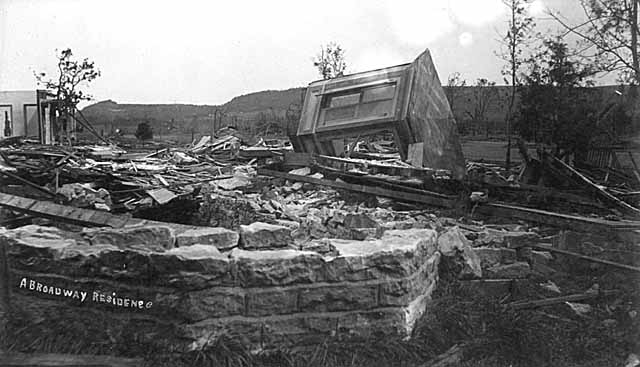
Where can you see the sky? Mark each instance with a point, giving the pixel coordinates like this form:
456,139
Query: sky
207,52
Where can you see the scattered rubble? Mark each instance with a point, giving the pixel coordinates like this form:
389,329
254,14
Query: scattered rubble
290,226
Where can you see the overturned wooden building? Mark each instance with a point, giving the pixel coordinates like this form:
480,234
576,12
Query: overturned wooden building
406,100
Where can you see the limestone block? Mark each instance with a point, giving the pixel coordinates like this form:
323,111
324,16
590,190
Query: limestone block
359,220
425,239
403,292
373,324
260,235
277,267
511,239
223,239
292,225
50,250
323,247
516,270
211,303
451,241
48,239
271,301
192,267
145,238
408,223
339,298
398,254
541,257
490,256
298,331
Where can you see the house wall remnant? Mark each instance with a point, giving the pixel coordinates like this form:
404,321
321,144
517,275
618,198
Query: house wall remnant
21,109
405,99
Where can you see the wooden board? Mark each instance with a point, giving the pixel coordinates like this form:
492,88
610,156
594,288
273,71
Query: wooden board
399,195
414,156
63,213
583,224
66,360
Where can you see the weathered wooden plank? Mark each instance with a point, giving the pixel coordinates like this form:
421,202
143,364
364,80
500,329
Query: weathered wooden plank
297,159
587,258
50,209
583,224
595,189
62,213
555,300
404,196
66,360
29,183
17,202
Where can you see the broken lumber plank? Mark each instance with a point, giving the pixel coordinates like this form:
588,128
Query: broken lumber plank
399,195
636,171
295,159
518,305
601,193
578,223
451,357
29,183
66,360
585,257
63,213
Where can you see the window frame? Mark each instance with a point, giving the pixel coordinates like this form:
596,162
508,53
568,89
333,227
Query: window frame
326,98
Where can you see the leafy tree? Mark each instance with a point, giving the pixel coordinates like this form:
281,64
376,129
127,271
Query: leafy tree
556,108
611,31
610,38
330,61
519,31
144,132
483,96
72,76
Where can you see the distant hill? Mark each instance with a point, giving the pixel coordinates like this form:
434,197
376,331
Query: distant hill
279,100
242,111
277,112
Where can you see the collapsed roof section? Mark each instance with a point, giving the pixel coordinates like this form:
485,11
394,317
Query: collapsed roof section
405,99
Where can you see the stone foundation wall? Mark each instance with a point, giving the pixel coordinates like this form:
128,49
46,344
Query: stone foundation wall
186,287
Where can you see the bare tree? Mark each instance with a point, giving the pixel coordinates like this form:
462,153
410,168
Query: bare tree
484,95
330,61
520,27
453,90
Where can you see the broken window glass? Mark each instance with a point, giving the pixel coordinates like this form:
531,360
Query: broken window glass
379,93
345,100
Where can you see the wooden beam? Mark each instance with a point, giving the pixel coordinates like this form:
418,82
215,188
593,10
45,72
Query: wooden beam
601,193
30,184
578,223
399,195
63,213
66,360
585,257
555,300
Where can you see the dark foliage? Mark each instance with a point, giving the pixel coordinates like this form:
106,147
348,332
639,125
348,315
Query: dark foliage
556,107
144,131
